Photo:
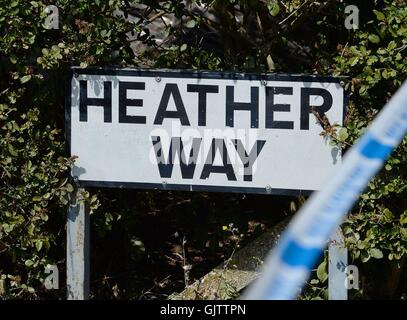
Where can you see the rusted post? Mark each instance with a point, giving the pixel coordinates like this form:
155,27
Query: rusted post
77,253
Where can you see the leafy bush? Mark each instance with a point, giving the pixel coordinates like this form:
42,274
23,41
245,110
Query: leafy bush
247,35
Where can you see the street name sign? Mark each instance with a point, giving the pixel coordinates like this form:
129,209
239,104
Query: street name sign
202,131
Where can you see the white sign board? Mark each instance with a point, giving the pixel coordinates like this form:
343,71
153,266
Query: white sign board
206,131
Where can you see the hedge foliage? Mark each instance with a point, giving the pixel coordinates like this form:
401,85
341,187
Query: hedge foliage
247,35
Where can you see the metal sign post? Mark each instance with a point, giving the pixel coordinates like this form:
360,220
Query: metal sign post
77,253
338,261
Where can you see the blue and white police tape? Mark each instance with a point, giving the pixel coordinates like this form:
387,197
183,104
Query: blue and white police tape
287,268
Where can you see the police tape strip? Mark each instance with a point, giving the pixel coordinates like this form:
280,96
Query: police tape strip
287,268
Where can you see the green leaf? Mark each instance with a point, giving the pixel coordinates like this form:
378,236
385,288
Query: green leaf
321,272
376,253
381,51
374,38
8,227
388,214
371,60
363,90
12,151
37,198
29,263
30,229
25,78
38,245
183,47
69,187
361,245
190,24
379,15
392,45
343,134
274,8
13,59
353,61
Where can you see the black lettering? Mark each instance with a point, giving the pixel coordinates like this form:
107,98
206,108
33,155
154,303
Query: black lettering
306,109
180,113
202,90
248,160
252,106
176,148
226,168
85,101
271,108
125,102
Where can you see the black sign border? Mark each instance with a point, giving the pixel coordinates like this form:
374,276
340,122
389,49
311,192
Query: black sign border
192,74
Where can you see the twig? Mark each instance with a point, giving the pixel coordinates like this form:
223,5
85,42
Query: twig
292,13
343,50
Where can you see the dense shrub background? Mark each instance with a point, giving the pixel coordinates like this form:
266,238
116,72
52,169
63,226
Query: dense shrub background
139,239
